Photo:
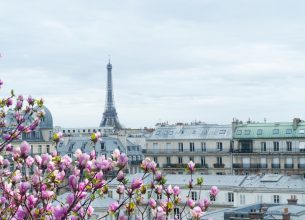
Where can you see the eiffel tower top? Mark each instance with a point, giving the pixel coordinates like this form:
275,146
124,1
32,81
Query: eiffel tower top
110,116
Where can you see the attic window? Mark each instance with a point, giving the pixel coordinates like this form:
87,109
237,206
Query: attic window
276,131
259,132
158,132
170,133
247,132
222,131
239,132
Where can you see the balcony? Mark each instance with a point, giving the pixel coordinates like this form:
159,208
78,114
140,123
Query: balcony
301,166
184,151
263,165
276,165
135,162
249,166
174,165
219,165
288,166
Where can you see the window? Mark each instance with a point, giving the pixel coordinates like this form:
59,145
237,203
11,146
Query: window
203,147
180,160
239,132
263,147
73,131
155,147
276,146
301,131
202,161
39,149
155,159
219,160
192,147
259,132
180,145
289,146
288,131
68,131
276,199
84,130
222,131
194,196
219,146
230,197
110,194
247,132
168,146
48,149
276,131
159,196
242,199
177,213
212,198
259,198
192,159
168,160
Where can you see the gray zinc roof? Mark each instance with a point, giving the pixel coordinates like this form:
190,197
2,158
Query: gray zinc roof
193,131
279,182
107,145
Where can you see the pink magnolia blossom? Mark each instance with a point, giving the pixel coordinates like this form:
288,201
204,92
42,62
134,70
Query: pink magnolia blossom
214,191
113,207
25,149
152,203
121,176
73,180
31,201
90,211
196,212
191,166
191,203
176,190
122,160
136,183
115,154
29,161
23,187
120,189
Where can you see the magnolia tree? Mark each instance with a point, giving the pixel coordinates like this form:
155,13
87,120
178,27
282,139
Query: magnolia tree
31,189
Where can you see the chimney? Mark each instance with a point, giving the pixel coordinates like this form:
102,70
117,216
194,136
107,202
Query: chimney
234,124
293,200
286,214
296,121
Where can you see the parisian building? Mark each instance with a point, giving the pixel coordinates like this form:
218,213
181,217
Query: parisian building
207,145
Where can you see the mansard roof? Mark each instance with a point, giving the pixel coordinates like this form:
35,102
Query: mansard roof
192,131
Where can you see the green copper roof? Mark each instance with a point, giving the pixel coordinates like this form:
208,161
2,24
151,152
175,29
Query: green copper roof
269,130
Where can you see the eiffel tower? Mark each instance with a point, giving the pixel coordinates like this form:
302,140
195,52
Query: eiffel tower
110,116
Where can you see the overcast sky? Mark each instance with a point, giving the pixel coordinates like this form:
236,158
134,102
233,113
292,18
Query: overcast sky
204,60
